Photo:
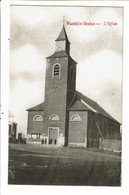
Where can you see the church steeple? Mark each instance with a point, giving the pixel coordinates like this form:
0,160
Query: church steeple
62,36
62,42
60,85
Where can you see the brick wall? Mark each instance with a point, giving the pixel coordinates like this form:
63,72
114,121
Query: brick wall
34,126
78,130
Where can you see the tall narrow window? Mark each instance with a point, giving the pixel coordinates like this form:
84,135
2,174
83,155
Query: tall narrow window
71,73
56,71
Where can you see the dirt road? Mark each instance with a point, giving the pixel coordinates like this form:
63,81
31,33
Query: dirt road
41,165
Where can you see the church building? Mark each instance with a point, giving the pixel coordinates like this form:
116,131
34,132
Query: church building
67,117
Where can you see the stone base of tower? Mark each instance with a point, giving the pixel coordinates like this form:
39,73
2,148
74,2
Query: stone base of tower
79,145
61,141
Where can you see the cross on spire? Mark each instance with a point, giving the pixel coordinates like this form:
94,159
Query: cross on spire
63,20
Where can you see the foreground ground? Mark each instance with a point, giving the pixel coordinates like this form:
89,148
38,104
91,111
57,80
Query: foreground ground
41,165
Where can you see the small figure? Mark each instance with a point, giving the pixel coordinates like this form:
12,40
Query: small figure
42,141
45,141
55,141
50,141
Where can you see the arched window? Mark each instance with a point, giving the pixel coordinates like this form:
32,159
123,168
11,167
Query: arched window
75,118
56,71
54,117
38,118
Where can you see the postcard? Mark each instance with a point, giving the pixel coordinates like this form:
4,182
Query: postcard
65,79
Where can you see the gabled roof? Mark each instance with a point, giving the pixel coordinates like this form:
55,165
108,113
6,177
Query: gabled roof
58,54
77,105
81,103
39,107
62,36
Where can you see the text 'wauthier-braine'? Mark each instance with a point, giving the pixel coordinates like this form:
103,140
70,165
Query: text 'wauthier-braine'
91,23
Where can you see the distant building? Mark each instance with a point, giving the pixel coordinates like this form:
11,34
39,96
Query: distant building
12,127
67,117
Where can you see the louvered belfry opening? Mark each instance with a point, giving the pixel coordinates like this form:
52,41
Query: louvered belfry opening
56,70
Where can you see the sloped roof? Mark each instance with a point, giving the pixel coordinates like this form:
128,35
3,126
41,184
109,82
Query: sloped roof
77,105
61,54
58,54
39,107
80,102
88,104
62,36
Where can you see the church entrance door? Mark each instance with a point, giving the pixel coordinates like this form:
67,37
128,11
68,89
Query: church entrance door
53,135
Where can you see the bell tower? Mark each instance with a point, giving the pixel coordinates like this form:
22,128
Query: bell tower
60,86
62,42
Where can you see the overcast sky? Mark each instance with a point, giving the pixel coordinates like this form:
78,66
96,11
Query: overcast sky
96,49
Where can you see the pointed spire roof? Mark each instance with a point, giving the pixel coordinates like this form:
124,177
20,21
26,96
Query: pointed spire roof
62,36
